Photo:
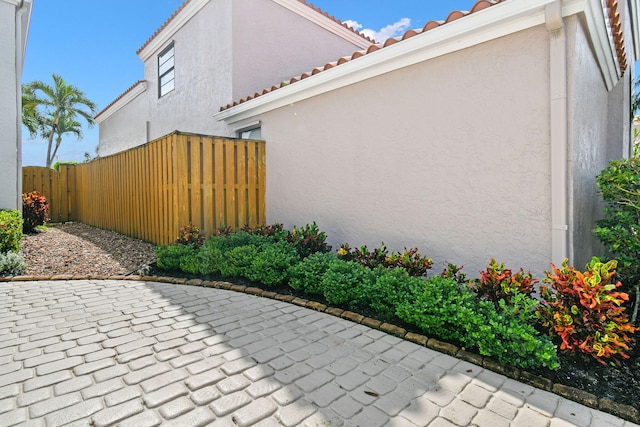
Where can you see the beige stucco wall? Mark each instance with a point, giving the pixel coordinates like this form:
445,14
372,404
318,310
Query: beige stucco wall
599,130
429,156
229,49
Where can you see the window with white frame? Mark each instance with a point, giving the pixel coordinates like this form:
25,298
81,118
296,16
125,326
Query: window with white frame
166,71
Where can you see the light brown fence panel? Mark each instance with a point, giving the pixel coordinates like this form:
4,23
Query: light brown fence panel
150,191
46,181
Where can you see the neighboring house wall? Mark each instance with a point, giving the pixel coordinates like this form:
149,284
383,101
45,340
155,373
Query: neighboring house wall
426,156
272,43
228,47
14,25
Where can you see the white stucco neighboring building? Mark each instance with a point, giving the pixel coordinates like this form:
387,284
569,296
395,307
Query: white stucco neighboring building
472,138
211,52
15,16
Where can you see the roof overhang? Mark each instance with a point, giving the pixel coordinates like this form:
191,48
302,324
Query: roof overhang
23,12
123,100
492,23
634,8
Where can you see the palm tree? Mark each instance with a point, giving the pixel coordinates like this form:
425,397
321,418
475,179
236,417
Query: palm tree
62,104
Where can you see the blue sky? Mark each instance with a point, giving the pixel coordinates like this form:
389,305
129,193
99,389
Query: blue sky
92,45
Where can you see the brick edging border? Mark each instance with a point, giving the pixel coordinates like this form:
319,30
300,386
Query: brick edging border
626,412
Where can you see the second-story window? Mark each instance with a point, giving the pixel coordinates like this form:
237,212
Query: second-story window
166,71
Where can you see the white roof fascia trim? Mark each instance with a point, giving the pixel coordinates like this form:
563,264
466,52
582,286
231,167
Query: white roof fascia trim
480,27
116,106
167,32
324,22
12,2
598,27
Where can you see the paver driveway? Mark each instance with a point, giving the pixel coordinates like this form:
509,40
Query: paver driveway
130,353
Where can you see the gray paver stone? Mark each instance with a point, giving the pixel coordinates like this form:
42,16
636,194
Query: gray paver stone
74,413
205,395
165,394
29,398
110,373
459,412
146,373
74,384
45,380
121,396
229,403
102,388
110,416
46,406
197,418
293,415
254,412
162,380
59,365
233,384
326,394
195,382
262,388
176,407
87,368
475,396
526,417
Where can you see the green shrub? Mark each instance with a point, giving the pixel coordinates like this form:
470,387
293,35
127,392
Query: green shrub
12,263
211,255
272,264
35,211
306,276
441,307
10,231
239,261
346,283
385,293
619,230
169,257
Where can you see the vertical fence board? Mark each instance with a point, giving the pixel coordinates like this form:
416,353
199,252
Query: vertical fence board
148,192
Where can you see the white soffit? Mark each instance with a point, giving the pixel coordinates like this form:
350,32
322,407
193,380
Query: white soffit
324,22
164,35
480,27
124,100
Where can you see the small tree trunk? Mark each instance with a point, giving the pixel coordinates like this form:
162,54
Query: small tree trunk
49,157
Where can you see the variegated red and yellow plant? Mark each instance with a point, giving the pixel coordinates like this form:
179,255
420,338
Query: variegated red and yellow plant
586,312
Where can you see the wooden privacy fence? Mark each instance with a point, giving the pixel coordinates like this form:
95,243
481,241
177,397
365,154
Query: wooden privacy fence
150,191
47,182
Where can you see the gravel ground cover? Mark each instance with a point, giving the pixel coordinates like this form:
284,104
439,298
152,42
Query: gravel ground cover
74,248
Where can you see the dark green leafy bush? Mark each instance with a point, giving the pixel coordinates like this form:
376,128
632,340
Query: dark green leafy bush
239,261
272,264
170,257
10,231
211,255
441,307
306,276
346,283
619,230
385,293
35,211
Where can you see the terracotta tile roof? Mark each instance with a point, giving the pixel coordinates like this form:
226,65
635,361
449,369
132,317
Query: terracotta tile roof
453,16
310,5
133,86
617,33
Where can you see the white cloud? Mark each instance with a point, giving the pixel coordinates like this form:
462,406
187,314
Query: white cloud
391,30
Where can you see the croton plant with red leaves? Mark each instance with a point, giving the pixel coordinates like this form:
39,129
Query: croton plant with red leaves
586,311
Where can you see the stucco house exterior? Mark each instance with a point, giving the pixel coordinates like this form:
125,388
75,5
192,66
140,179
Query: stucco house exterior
210,52
475,137
15,16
